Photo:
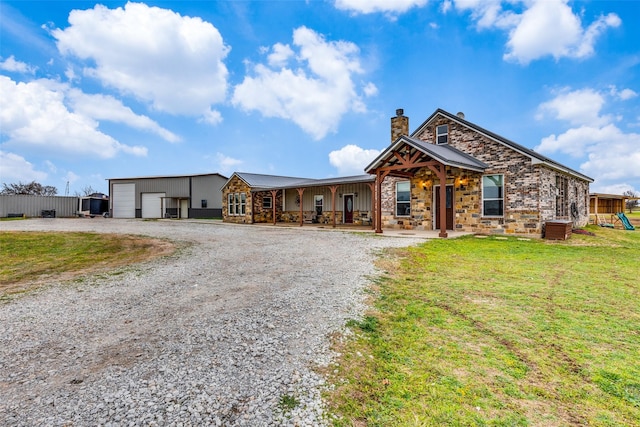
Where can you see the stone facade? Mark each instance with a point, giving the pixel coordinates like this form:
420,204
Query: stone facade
530,190
262,214
237,186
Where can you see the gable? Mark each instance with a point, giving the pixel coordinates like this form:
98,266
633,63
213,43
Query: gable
473,139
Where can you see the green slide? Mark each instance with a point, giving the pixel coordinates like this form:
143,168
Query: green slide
625,221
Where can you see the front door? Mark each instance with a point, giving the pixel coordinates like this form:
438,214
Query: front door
449,207
184,208
348,208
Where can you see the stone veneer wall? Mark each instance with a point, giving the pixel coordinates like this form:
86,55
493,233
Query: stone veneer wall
236,185
266,215
529,189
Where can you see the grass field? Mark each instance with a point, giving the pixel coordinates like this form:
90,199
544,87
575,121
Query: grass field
492,332
29,259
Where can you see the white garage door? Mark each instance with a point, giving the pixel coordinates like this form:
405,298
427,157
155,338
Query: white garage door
124,201
152,205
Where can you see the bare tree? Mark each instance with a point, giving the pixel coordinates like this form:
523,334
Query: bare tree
633,202
86,191
32,188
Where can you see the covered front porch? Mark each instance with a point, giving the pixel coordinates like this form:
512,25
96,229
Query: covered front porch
346,201
420,178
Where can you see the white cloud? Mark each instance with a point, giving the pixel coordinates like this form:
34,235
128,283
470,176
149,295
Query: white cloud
104,107
624,94
34,114
488,13
544,28
174,62
70,177
213,117
375,6
10,64
370,89
610,154
280,55
16,168
225,163
314,93
577,107
551,28
351,159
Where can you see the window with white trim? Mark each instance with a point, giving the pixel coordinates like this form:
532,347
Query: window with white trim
493,195
403,198
236,203
442,134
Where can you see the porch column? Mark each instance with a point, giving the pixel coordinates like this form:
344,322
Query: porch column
333,189
372,187
379,178
300,193
441,173
273,204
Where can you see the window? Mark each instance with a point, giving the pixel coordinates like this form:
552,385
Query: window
442,134
203,203
236,203
403,198
267,202
562,196
318,203
493,195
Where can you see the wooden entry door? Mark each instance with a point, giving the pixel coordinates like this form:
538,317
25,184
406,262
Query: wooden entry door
348,208
449,207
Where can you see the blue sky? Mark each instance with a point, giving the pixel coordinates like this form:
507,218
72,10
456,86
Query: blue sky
91,91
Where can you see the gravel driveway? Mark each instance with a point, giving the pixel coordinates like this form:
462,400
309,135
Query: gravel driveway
225,332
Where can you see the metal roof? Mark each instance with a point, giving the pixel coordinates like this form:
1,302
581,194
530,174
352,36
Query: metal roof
272,182
443,153
168,176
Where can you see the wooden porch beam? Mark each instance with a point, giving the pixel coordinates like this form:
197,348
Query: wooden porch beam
300,193
333,189
380,176
372,187
274,193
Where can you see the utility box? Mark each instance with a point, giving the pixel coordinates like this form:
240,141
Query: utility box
558,229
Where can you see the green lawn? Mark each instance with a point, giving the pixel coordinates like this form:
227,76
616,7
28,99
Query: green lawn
29,258
492,332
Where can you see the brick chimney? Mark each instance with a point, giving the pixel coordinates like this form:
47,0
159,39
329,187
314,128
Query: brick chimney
399,125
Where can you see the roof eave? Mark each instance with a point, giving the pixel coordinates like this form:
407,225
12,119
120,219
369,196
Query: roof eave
560,168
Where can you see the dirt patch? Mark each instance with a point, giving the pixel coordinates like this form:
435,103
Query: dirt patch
153,248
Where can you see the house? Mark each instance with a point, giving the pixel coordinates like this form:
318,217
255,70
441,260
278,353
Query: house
491,186
179,196
253,198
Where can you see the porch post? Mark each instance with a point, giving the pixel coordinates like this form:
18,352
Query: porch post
372,187
333,189
300,192
379,178
273,204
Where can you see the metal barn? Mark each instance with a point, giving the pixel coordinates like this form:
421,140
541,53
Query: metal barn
181,196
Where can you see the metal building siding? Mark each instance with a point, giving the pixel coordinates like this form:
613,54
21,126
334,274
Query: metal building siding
171,186
209,188
32,206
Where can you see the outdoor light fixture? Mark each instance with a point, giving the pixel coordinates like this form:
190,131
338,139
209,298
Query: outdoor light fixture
355,194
